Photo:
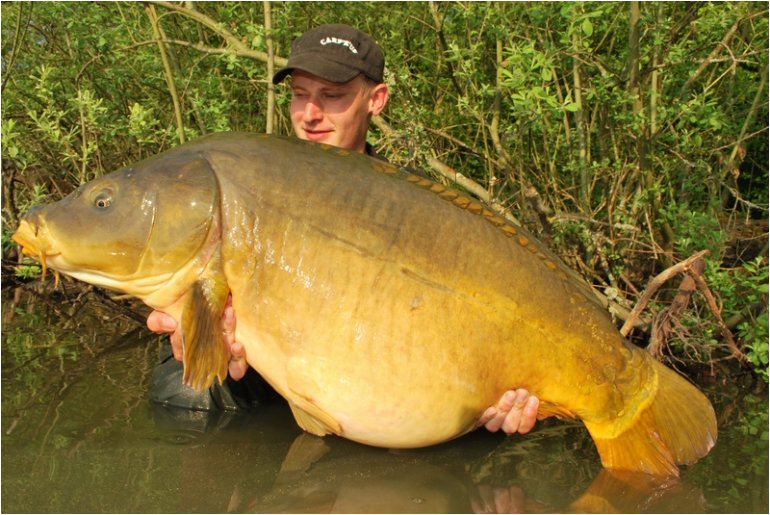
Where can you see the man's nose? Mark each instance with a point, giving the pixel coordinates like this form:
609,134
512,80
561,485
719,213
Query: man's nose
313,111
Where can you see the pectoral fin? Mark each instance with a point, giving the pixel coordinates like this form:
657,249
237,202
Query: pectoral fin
314,420
206,354
303,388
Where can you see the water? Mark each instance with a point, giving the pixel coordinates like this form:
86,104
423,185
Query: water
79,435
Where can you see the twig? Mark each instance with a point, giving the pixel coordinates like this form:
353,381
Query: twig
575,217
494,126
453,175
18,38
716,311
758,96
439,30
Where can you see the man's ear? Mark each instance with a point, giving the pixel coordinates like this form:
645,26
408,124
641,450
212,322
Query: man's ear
378,98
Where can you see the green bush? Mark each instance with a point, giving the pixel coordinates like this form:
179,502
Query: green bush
642,146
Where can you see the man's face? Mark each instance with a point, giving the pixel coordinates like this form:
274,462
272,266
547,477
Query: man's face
332,113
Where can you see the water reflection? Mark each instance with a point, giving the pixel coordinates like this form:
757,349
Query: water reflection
480,473
380,483
79,435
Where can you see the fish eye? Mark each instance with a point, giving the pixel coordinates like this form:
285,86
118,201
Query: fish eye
103,199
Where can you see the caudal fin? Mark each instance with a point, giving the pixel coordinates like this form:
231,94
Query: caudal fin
677,427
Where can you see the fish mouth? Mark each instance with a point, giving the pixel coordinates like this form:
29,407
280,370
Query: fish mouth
34,244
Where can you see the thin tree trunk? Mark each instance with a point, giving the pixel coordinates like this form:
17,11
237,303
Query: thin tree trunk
584,200
730,169
270,68
168,73
643,134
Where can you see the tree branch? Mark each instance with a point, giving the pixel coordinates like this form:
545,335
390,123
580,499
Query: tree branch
707,61
237,46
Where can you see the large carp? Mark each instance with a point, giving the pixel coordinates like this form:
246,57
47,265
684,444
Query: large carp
384,307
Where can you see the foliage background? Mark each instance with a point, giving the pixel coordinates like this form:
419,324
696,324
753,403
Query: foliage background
627,135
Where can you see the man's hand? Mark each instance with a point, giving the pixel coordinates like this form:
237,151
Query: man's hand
238,365
159,322
515,412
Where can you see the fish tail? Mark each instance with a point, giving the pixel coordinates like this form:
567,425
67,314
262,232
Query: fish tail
677,427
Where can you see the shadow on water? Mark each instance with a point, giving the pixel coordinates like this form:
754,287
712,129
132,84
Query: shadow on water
79,435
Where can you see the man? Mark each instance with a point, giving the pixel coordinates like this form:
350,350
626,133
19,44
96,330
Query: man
336,87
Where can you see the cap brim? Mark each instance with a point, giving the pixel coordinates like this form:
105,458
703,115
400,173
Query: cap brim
281,74
319,66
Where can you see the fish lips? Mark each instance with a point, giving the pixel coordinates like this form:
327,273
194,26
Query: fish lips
32,238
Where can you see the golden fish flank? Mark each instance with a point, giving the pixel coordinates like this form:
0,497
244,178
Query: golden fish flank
382,312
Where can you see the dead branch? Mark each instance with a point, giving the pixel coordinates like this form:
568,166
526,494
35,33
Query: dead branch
668,321
234,43
712,57
453,175
470,185
653,286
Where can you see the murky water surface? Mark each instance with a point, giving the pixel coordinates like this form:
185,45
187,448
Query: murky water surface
79,435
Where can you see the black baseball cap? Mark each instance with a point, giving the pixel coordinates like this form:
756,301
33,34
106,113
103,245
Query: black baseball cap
336,53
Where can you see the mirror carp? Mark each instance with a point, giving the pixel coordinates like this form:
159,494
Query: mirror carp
386,308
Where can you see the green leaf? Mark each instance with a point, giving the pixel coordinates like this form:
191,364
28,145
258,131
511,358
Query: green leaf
588,27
